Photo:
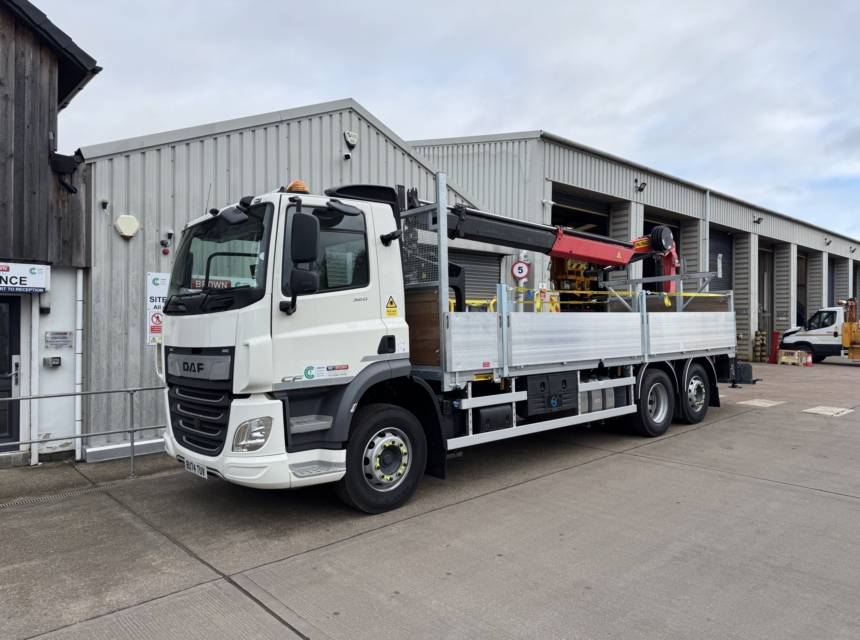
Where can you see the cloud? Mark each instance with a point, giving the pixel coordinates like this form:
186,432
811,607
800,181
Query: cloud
756,99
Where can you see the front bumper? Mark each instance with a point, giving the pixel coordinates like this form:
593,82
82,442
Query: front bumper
271,467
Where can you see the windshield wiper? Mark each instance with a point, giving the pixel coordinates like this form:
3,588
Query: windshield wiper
223,302
180,308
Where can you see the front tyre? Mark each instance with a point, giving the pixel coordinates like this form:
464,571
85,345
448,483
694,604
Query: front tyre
656,404
696,395
385,459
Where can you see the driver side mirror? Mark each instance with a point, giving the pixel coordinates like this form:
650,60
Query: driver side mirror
304,246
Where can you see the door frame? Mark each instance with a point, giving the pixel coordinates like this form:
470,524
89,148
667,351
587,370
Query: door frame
14,408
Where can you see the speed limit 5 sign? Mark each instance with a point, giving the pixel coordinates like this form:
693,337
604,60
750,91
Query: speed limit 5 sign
520,270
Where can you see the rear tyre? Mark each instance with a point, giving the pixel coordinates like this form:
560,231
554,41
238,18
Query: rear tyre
385,459
656,405
695,395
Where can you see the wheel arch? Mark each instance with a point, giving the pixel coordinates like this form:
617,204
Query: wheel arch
798,346
417,397
710,371
373,377
664,366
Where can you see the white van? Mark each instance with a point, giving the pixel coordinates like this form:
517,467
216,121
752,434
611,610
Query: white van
821,336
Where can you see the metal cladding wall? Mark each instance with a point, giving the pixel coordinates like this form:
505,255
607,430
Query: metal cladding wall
785,286
496,173
842,278
740,216
626,220
692,248
164,181
587,170
745,282
816,265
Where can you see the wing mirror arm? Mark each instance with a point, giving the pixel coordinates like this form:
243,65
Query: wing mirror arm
388,237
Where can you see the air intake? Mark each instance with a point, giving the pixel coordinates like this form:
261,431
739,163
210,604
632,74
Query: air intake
371,192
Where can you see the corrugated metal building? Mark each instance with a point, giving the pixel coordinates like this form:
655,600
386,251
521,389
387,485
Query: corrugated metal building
780,268
166,179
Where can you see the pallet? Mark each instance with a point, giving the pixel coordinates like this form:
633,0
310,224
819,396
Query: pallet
797,358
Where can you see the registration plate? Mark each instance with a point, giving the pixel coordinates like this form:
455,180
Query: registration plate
196,469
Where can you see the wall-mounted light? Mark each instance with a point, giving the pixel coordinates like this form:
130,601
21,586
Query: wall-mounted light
827,242
640,186
853,249
548,203
757,219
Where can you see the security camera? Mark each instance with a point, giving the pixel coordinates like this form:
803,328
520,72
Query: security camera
170,234
166,243
104,203
347,155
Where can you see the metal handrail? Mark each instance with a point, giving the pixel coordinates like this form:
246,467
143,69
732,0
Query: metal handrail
80,393
132,430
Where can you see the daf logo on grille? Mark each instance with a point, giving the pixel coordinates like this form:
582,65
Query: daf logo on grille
193,367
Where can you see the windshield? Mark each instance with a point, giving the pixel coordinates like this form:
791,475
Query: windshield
216,257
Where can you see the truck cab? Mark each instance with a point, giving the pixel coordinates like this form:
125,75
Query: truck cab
821,336
238,342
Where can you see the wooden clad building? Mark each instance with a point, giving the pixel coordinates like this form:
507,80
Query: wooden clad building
44,235
42,194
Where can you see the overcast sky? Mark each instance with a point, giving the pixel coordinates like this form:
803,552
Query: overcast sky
760,100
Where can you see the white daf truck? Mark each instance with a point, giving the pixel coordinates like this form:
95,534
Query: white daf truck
311,339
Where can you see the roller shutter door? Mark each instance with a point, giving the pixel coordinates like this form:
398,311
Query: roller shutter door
483,272
720,243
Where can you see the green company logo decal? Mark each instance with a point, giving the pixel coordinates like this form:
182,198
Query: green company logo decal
33,270
309,373
155,281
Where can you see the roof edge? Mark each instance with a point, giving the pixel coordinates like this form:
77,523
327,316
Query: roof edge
559,139
495,137
63,45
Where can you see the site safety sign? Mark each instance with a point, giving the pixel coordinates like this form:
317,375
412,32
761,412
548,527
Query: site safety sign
156,298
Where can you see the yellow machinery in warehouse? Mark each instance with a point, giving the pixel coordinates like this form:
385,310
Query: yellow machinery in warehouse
850,330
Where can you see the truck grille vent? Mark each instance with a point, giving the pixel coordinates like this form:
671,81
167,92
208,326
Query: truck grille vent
199,417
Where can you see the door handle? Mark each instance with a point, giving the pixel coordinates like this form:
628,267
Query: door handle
13,373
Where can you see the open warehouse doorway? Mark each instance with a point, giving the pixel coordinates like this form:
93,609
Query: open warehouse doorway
765,299
802,312
580,212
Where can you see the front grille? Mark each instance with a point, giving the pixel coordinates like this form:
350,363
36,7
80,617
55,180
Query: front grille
199,418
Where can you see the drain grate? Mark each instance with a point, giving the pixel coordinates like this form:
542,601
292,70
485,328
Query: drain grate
83,491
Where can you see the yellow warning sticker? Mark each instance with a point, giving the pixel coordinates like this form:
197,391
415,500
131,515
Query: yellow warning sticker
618,257
642,242
391,307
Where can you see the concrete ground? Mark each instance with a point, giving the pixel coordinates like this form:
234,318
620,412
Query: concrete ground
745,526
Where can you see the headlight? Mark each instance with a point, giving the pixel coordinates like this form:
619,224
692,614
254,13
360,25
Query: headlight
252,435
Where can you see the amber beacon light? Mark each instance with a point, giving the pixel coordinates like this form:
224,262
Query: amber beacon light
297,186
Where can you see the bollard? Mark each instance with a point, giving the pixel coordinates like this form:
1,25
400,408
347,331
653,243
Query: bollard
131,421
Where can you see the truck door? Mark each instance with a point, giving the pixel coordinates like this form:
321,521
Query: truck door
334,333
824,334
390,270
